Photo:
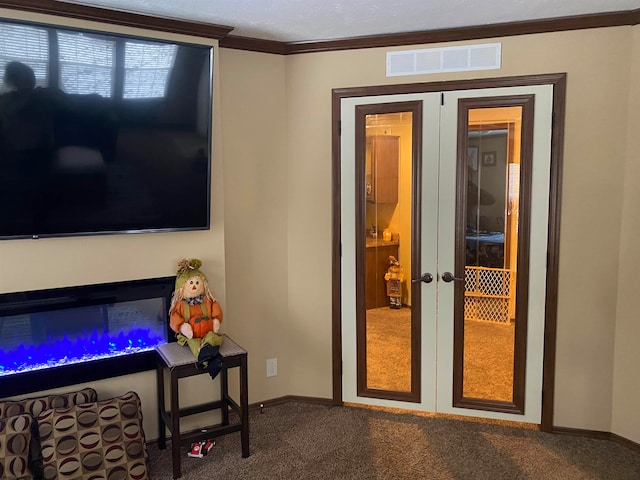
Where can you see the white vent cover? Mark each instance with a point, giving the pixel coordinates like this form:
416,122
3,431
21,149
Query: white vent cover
445,59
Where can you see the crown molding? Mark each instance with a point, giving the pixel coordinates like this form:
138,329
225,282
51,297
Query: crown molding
117,17
579,22
254,44
221,32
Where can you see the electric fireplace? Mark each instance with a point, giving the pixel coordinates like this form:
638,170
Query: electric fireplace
64,336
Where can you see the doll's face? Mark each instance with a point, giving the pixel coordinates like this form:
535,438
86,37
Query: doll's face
193,287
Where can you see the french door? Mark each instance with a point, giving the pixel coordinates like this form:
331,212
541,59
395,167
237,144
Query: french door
444,205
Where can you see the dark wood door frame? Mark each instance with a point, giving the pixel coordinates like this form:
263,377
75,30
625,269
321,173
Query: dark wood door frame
415,108
558,81
516,406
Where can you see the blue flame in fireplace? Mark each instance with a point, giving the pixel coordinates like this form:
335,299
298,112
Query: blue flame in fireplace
52,339
67,351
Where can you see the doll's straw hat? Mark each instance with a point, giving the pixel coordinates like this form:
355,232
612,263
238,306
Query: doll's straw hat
188,268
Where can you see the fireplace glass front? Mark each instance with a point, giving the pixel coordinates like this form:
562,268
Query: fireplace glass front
96,328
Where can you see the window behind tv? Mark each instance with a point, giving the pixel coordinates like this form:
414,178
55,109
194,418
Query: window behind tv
102,133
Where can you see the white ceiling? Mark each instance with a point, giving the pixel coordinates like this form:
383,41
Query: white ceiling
310,20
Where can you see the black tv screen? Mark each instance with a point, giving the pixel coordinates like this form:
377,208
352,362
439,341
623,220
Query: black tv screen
102,133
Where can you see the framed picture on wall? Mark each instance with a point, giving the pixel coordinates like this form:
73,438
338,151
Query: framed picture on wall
488,159
472,158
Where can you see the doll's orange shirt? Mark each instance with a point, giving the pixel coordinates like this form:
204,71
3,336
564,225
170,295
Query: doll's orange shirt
199,325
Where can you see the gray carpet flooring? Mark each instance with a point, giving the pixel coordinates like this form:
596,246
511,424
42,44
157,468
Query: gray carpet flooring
302,441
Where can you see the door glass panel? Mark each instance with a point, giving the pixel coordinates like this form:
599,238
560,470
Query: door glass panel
388,179
493,187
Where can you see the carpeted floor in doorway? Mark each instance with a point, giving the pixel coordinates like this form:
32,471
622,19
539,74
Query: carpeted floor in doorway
488,354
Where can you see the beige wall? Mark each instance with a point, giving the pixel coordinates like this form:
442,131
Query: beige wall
626,379
253,109
595,149
58,262
271,263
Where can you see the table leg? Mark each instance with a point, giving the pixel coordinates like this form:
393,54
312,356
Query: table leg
175,425
224,392
162,431
244,406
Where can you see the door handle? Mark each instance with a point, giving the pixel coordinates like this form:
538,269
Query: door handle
426,278
448,277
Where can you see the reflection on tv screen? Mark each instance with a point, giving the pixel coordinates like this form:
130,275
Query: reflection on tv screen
102,133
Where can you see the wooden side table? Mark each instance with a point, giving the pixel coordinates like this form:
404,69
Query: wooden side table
181,364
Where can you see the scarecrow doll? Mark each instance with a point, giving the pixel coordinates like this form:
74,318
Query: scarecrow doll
195,316
394,278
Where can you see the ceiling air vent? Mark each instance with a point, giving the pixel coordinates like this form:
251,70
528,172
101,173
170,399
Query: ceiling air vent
446,59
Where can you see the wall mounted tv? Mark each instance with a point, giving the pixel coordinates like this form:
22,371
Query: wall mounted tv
102,133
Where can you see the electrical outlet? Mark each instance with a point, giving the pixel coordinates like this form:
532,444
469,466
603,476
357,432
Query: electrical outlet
272,367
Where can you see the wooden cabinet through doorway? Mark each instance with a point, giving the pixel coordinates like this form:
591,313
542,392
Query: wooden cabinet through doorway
377,263
382,164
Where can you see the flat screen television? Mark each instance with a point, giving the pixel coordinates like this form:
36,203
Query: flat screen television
102,133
